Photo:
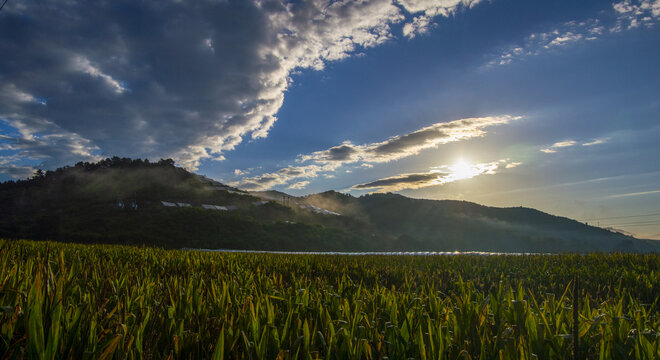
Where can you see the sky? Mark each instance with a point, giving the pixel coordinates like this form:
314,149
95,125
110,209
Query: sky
546,104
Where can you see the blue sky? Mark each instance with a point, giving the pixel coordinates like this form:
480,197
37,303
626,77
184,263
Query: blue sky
546,104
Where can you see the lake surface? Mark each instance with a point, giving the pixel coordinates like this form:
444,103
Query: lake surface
371,253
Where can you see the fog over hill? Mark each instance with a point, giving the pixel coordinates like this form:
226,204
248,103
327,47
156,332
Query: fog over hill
129,201
463,225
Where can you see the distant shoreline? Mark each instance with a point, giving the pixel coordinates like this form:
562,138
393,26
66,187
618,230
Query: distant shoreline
370,253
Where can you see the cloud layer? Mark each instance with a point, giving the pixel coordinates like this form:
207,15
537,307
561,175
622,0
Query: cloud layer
436,176
626,15
409,144
394,148
570,143
188,80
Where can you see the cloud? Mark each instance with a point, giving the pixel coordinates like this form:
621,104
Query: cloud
633,14
39,139
9,91
402,146
641,193
188,80
512,165
401,182
596,141
299,185
17,172
626,16
425,10
283,176
569,143
82,64
435,176
394,148
562,144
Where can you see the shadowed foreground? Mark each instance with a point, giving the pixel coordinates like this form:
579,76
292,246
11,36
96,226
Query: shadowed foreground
63,301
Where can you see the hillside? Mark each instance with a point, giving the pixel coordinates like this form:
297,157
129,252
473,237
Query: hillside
124,201
129,201
462,225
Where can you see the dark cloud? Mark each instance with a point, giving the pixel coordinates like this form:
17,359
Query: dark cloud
408,141
437,176
134,77
18,172
408,180
343,152
169,78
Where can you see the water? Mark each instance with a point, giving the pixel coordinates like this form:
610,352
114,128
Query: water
371,253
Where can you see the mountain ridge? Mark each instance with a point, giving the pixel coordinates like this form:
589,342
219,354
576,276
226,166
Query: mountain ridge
122,200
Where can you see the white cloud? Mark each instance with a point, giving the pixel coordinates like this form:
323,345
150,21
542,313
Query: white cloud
419,25
209,44
394,148
569,143
641,193
562,144
564,39
299,185
596,141
283,176
628,15
633,14
402,146
82,64
426,10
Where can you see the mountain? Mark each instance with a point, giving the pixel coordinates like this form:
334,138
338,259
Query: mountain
463,225
138,202
125,201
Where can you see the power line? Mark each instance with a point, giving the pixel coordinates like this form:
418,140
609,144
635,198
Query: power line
621,217
3,5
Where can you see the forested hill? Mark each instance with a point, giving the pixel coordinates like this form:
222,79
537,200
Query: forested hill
127,201
466,225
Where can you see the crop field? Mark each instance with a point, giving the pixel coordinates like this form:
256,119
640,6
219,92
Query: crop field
63,301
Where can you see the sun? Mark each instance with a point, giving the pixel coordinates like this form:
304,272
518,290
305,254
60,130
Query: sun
462,170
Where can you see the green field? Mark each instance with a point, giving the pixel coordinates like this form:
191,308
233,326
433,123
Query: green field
62,301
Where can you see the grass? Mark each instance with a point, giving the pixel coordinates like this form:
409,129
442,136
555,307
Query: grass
63,301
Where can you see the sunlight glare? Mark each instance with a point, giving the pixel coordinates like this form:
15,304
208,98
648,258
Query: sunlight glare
462,170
